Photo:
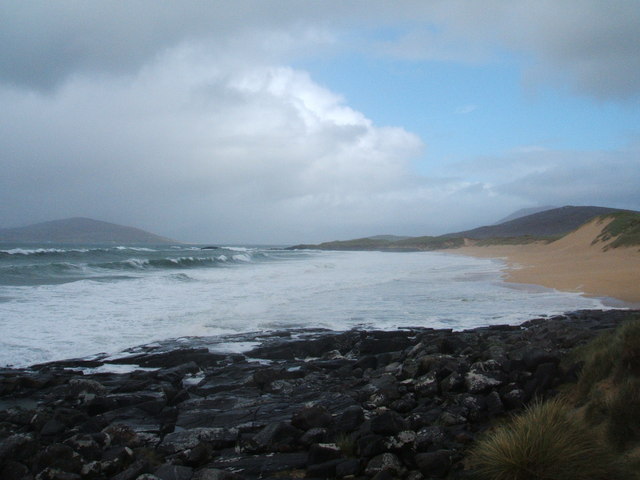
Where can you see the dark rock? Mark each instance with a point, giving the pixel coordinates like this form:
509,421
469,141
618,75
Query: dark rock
405,404
433,436
350,419
13,470
494,404
323,470
61,457
479,383
371,445
426,385
384,475
86,445
535,356
385,462
451,418
402,441
173,358
52,427
173,472
348,468
314,435
50,473
513,398
181,440
312,417
278,437
323,452
83,388
116,459
434,464
454,382
388,423
134,470
215,474
265,466
19,447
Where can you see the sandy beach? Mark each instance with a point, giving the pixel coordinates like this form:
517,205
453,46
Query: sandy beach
572,263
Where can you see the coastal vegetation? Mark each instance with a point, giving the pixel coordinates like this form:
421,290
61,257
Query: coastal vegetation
623,230
589,431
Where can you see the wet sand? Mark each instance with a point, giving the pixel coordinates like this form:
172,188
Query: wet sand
572,264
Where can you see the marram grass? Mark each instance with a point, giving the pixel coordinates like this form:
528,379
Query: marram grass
546,442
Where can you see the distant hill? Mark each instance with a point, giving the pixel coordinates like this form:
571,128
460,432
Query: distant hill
79,230
549,223
523,212
546,225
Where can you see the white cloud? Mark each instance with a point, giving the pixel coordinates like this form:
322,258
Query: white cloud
466,109
227,146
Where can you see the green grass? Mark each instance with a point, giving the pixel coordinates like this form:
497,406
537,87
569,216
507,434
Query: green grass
347,445
593,433
623,414
624,229
522,240
548,441
615,355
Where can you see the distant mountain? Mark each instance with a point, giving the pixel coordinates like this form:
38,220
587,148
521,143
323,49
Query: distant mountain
523,212
79,230
549,223
545,225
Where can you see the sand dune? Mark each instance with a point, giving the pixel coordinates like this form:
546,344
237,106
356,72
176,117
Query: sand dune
572,263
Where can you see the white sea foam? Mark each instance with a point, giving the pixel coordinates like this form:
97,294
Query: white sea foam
40,251
135,249
335,290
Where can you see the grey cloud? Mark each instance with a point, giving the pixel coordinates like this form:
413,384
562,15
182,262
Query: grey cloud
584,178
591,45
196,151
43,43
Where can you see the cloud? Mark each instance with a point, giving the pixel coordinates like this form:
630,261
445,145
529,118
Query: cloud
220,149
537,176
588,45
466,109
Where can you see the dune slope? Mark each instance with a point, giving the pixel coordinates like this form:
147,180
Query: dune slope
573,263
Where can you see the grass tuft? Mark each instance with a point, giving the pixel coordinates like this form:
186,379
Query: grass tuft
615,354
624,229
347,445
547,441
623,420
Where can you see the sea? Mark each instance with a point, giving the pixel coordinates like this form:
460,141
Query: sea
59,302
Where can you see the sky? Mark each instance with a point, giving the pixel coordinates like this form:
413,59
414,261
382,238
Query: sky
289,121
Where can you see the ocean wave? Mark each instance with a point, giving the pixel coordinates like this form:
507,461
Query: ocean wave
61,272
134,249
41,251
239,249
45,252
171,263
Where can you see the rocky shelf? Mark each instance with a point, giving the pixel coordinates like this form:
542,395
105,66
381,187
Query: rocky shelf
315,404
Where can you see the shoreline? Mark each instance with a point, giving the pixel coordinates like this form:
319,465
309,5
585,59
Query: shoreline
614,286
574,263
357,404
